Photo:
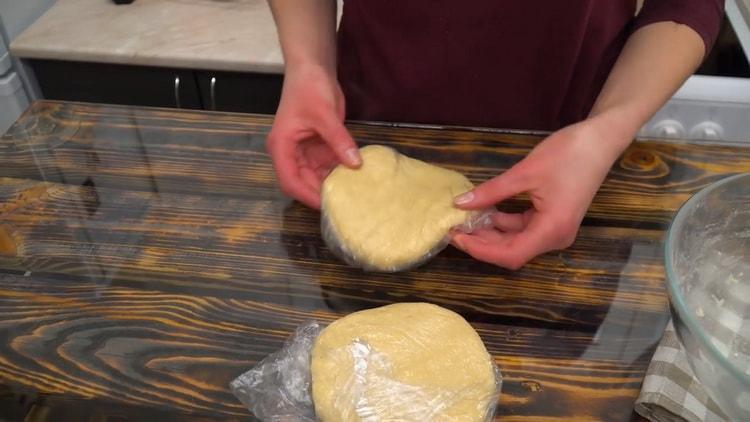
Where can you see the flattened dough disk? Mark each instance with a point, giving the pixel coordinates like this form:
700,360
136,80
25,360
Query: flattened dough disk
392,213
415,362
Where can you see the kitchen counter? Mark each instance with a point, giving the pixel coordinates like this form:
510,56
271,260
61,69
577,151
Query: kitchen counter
147,258
738,12
745,6
233,35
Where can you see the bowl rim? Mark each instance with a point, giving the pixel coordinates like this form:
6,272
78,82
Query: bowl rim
676,297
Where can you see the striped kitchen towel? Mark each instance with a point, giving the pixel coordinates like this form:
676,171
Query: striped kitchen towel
670,391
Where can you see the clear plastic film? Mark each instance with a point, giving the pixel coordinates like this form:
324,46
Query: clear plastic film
372,394
394,212
476,220
279,388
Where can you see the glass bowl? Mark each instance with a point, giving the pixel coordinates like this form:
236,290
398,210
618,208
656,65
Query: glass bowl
708,278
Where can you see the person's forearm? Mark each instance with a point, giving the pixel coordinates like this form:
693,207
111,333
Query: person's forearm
307,32
655,62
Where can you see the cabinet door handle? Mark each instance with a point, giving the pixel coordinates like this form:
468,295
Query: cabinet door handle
177,91
213,93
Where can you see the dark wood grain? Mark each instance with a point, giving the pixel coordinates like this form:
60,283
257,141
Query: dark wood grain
147,258
243,248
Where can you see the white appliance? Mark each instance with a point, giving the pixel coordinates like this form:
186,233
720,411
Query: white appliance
17,88
713,109
13,97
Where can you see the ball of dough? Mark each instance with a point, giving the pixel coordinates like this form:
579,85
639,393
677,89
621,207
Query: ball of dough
392,213
402,362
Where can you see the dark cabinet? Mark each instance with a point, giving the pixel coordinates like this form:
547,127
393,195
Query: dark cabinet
158,87
240,92
117,84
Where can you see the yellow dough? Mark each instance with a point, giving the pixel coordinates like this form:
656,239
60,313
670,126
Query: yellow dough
415,362
393,211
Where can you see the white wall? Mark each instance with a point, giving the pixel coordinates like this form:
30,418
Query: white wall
15,16
19,14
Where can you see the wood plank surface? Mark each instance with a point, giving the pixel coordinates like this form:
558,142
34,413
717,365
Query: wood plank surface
147,258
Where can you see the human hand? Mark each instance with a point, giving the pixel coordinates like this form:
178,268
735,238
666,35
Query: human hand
308,137
561,176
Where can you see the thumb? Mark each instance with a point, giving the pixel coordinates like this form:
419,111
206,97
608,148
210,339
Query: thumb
334,134
493,191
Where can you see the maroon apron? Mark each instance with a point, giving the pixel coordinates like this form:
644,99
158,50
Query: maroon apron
531,64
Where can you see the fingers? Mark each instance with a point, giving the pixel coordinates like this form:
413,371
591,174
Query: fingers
508,222
299,190
512,222
299,183
299,167
292,180
309,194
493,252
495,190
319,157
335,134
510,250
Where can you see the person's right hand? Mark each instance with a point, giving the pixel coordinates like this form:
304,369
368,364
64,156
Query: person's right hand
308,138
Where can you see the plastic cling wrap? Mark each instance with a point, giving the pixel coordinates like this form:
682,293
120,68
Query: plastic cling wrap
394,212
390,373
372,394
278,388
333,240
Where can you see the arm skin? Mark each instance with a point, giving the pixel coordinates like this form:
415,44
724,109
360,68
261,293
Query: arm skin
562,174
307,32
308,137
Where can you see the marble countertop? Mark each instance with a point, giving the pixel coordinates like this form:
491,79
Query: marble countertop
235,35
746,3
744,6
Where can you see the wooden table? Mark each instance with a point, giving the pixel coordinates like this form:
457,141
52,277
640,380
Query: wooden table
147,258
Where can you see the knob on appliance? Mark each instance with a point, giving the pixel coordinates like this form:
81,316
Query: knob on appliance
671,129
710,131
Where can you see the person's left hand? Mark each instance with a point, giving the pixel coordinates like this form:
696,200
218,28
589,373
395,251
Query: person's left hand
561,176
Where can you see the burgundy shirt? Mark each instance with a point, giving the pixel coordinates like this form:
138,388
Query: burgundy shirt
531,64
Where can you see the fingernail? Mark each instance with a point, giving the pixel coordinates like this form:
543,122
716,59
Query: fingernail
464,198
352,155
